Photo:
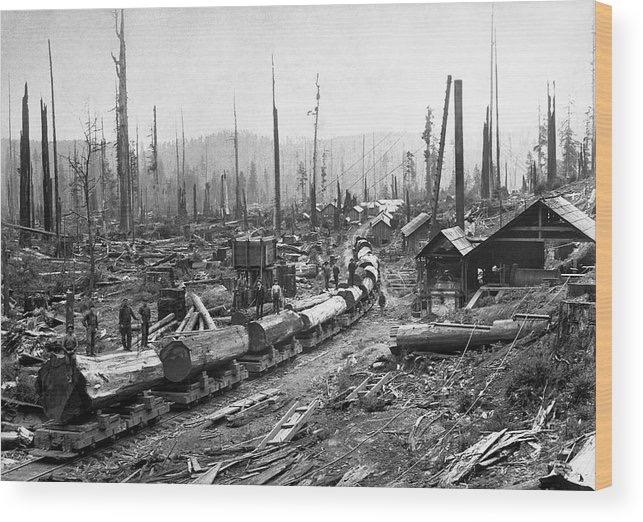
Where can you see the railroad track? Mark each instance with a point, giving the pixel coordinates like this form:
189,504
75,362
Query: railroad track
33,470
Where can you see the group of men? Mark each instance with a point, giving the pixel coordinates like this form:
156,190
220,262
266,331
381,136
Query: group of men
276,294
327,269
90,322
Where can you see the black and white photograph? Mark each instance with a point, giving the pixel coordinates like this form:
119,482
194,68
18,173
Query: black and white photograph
316,245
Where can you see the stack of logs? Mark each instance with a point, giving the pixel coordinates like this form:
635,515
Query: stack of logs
198,317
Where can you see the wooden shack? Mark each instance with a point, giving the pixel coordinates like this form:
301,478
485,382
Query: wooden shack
381,229
356,214
514,255
416,232
254,252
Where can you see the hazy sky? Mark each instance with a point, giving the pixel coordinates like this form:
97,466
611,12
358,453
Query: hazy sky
379,65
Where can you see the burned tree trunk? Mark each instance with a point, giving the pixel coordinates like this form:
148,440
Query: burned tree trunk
25,168
459,154
122,146
438,170
57,202
313,188
275,131
551,136
46,178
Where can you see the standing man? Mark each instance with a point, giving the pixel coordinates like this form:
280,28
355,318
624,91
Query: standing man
352,266
125,315
146,314
90,322
70,344
277,296
326,271
335,274
259,297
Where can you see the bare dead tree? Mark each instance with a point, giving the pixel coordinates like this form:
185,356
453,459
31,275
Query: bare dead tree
79,165
25,168
122,146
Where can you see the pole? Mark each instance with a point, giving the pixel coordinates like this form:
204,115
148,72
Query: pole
459,154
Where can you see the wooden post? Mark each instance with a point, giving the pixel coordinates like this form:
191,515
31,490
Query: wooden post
459,155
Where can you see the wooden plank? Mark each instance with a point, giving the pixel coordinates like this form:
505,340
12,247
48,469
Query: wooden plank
277,426
209,476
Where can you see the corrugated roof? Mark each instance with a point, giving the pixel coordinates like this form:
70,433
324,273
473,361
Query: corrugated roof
415,223
459,240
574,216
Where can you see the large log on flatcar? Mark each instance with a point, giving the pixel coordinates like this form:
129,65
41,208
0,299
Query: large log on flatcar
71,389
323,312
273,329
351,295
365,250
372,273
369,259
187,355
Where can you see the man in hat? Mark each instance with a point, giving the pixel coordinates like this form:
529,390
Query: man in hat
125,315
90,322
146,314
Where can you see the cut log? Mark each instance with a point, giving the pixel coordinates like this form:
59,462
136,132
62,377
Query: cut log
363,251
369,259
273,329
445,337
309,302
198,304
371,273
187,317
189,355
191,324
155,327
321,313
68,390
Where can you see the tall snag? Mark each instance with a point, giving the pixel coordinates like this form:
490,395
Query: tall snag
25,168
551,136
57,202
46,177
438,170
275,130
313,188
122,134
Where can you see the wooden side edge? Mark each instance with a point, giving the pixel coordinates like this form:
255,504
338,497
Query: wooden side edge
603,123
